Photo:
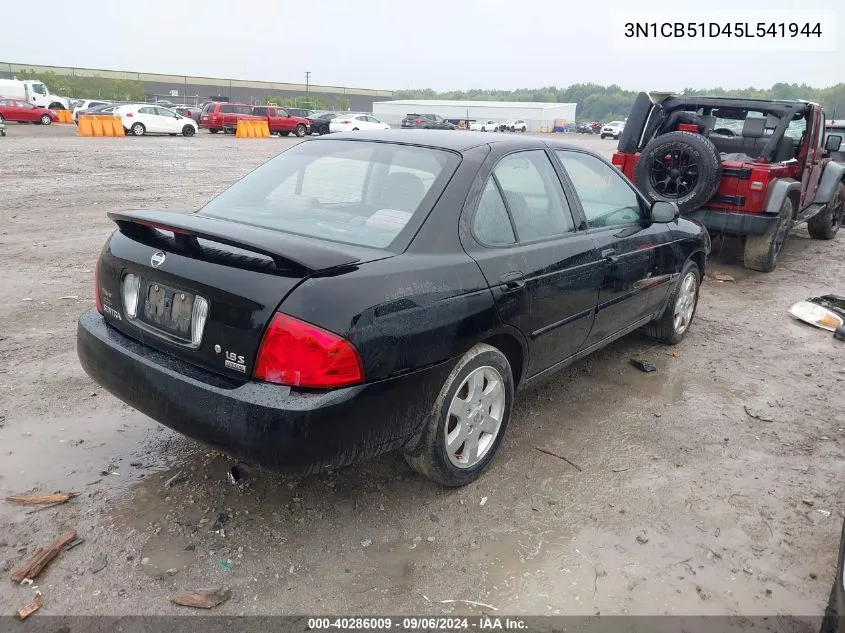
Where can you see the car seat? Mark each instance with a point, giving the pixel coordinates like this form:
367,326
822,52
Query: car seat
402,191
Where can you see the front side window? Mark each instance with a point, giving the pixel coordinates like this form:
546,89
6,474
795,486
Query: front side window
39,89
149,110
354,192
534,195
606,198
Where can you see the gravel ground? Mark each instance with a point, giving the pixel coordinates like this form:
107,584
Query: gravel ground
712,486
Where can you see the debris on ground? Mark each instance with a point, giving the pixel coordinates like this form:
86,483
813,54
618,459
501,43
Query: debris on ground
220,521
175,479
234,475
560,457
642,539
42,557
366,542
225,565
74,543
717,276
807,501
202,598
483,501
472,602
643,365
31,608
757,416
815,314
99,563
34,500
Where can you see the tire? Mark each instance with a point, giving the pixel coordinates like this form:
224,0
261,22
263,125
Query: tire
214,131
324,130
188,131
431,456
57,106
523,128
300,130
825,225
692,157
284,133
1,118
172,134
138,129
603,137
483,129
762,251
46,120
675,322
355,129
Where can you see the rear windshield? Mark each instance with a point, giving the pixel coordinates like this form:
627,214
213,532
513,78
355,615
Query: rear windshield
209,107
354,192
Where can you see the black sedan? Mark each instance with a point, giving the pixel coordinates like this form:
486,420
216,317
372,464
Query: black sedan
365,292
320,122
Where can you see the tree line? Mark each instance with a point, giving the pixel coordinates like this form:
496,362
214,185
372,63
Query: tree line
606,103
75,86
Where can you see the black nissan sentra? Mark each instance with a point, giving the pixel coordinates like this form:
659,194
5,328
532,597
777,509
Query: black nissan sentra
366,292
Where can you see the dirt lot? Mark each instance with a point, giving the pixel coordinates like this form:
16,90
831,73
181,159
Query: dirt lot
713,486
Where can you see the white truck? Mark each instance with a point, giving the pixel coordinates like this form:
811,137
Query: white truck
34,92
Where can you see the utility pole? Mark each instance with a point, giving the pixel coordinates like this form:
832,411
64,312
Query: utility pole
308,82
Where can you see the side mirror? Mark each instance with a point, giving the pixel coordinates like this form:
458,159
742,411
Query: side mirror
833,143
664,212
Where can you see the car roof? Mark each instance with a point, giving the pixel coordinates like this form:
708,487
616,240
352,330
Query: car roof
449,139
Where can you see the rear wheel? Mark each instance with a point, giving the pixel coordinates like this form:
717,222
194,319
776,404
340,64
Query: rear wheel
46,119
300,130
354,129
138,129
214,131
603,136
188,130
763,251
284,133
675,322
468,419
2,119
826,224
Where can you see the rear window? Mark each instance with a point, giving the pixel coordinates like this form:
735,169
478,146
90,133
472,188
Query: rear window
227,109
259,111
345,191
208,107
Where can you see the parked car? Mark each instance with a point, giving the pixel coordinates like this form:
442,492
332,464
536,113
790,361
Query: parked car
320,121
192,112
2,127
355,121
584,128
141,119
281,122
751,168
517,125
597,126
88,104
837,127
24,112
484,126
383,290
612,130
834,617
426,122
218,116
107,108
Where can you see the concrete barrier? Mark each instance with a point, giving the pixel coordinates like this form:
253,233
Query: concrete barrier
65,116
252,129
100,125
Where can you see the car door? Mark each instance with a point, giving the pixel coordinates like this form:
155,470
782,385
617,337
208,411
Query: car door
814,166
640,259
5,109
149,117
169,121
23,112
286,121
543,272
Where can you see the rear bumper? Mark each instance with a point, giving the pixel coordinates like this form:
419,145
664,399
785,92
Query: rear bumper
268,425
717,221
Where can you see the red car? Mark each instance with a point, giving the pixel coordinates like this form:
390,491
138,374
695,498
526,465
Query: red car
280,121
218,116
23,112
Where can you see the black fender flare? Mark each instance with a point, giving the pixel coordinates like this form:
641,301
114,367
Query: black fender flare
778,192
832,176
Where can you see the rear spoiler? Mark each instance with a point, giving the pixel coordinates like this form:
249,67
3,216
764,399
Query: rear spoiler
283,248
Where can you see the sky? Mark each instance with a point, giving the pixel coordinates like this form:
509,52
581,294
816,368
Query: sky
394,44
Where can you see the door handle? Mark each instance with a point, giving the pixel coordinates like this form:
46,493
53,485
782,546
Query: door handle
610,255
513,281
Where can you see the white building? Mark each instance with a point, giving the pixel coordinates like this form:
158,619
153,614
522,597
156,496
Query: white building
540,116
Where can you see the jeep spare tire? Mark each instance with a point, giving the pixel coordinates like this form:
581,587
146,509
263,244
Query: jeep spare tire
679,167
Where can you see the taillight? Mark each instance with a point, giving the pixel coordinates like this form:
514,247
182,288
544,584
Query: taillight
97,299
417,121
759,179
345,122
129,115
618,160
299,354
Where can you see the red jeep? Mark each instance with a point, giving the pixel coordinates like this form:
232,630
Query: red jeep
745,167
281,122
217,116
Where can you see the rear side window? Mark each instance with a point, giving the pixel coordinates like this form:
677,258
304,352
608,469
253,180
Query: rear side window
491,224
243,109
259,111
354,192
227,109
209,107
534,195
148,110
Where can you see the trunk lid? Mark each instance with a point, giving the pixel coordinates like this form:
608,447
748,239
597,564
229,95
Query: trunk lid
241,273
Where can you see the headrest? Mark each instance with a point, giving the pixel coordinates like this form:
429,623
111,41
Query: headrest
754,127
772,121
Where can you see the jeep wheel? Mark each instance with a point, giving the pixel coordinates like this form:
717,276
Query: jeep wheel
679,167
825,225
762,251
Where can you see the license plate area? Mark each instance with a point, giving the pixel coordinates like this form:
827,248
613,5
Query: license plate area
167,310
